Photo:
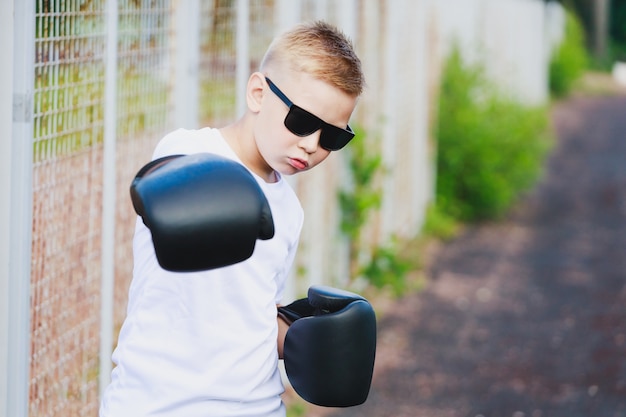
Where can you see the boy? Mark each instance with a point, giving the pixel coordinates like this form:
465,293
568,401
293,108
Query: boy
208,343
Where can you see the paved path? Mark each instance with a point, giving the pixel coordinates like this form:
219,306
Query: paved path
526,317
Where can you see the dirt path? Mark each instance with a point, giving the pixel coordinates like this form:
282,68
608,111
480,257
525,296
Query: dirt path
526,317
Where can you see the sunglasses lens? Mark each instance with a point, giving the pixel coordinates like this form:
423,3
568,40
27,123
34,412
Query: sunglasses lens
333,138
301,122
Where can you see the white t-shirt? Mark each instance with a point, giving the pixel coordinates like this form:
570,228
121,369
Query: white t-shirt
204,343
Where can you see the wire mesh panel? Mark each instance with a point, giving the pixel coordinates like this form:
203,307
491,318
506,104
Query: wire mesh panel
65,278
262,28
67,206
217,62
144,109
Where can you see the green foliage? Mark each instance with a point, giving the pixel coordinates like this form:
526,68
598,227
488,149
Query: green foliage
570,59
357,202
387,269
217,100
617,27
490,148
438,224
383,265
69,107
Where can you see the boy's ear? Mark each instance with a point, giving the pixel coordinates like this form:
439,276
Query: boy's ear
254,91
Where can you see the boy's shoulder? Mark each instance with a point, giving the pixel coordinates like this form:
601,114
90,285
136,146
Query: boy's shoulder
189,141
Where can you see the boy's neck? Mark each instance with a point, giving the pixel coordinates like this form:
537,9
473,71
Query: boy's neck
242,143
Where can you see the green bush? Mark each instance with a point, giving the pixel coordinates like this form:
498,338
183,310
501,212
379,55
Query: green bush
381,266
490,148
362,197
438,225
570,59
387,268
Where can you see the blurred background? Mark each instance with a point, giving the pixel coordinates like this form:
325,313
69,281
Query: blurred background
89,87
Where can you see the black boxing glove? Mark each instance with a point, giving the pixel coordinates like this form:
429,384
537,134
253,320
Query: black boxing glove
204,211
330,346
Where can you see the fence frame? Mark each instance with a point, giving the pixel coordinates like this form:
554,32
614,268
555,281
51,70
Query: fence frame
20,161
6,119
187,39
108,198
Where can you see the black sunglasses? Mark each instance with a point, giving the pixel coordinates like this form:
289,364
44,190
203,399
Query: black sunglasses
302,123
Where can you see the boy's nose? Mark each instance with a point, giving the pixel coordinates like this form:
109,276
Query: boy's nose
310,143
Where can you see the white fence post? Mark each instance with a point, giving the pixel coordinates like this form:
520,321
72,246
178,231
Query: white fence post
6,120
20,228
348,15
391,58
186,63
287,14
320,9
108,197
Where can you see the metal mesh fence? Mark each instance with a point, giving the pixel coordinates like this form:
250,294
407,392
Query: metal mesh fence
65,281
262,26
144,109
67,206
143,66
217,63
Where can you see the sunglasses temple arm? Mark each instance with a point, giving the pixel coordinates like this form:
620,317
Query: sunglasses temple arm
279,93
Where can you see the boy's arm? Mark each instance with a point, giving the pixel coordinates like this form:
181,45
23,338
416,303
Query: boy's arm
282,331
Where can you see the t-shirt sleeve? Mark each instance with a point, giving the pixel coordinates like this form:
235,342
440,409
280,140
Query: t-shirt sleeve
180,142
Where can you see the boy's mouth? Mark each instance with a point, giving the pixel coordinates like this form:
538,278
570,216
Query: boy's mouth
298,164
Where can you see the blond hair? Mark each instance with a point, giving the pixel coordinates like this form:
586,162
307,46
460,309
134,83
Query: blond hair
320,50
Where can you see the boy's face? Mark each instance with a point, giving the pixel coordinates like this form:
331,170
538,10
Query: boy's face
288,152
